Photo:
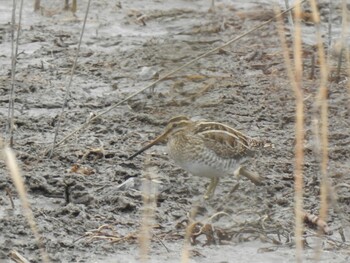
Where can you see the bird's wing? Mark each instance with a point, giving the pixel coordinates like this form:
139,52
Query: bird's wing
225,141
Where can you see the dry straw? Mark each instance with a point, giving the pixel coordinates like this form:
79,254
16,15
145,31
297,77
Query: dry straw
295,77
299,133
322,103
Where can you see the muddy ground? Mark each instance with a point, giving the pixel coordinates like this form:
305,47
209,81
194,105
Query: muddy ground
126,46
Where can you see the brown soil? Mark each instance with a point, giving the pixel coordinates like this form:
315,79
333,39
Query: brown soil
127,45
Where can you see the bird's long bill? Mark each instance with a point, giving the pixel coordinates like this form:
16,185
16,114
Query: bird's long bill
155,141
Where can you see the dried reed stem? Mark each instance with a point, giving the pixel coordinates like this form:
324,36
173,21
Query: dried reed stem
14,53
299,133
296,78
322,105
10,124
17,257
322,102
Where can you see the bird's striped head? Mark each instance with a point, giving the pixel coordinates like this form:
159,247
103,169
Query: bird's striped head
174,125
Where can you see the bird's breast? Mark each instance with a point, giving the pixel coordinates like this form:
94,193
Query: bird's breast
190,153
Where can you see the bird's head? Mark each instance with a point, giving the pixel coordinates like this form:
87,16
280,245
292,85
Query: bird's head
174,125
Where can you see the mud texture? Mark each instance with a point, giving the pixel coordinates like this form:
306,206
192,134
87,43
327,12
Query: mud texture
87,197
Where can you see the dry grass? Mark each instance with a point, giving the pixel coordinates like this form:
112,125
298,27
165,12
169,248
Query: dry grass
299,133
322,103
295,77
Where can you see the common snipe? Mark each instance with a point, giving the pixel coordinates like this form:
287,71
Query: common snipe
207,149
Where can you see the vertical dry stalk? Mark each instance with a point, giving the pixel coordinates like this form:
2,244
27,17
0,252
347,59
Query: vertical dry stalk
17,179
74,6
36,5
149,197
299,133
296,78
10,124
322,103
14,53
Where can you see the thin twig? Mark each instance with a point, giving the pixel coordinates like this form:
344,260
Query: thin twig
70,80
14,53
17,257
83,126
290,17
14,50
9,126
8,192
339,62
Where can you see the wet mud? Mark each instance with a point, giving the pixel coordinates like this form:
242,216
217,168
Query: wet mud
87,197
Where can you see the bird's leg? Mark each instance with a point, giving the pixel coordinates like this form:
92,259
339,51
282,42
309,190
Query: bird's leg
256,179
212,6
66,5
211,188
74,6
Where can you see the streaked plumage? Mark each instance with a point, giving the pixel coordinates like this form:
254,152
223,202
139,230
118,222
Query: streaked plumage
207,149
